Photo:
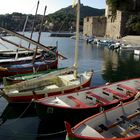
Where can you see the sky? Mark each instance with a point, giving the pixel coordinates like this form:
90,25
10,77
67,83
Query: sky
29,6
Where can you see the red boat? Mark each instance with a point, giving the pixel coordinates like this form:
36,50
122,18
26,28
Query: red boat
38,65
76,106
119,123
47,60
55,83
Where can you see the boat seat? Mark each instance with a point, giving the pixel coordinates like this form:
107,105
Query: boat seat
77,102
93,99
124,87
99,98
103,127
120,89
115,93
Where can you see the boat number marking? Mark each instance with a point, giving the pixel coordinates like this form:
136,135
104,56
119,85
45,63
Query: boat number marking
50,110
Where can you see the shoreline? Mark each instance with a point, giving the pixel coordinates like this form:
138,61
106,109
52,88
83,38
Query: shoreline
134,40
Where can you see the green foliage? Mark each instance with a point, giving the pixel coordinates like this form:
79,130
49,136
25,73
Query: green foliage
65,18
133,24
117,4
62,20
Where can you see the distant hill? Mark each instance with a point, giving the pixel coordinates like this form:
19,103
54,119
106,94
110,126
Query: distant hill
66,17
61,20
84,11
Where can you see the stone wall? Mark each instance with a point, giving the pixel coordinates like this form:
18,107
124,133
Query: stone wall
95,26
109,27
117,28
87,26
113,27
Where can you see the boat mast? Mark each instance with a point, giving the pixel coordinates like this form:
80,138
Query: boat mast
77,38
31,41
34,22
40,30
25,25
20,39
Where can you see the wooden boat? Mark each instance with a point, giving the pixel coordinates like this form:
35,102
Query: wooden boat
23,56
119,123
66,81
23,77
19,55
82,104
54,83
43,62
105,43
12,53
19,60
50,60
41,46
38,65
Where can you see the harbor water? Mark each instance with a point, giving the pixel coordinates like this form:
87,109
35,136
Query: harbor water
20,122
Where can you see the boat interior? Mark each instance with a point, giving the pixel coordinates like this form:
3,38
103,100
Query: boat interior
45,83
97,96
119,122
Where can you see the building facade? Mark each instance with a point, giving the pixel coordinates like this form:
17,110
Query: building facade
111,27
94,26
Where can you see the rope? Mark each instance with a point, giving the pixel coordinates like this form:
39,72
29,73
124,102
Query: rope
26,134
37,135
51,134
19,115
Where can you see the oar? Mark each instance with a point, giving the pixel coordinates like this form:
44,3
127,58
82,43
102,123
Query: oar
15,44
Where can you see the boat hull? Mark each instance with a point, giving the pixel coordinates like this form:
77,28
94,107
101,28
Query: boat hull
120,123
72,115
50,112
29,96
27,68
22,77
18,61
77,106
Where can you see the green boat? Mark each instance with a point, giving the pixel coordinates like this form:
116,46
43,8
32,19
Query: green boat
22,77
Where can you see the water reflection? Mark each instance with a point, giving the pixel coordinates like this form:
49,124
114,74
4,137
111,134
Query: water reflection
19,122
120,66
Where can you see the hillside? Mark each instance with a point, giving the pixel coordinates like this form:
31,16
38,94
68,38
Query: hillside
66,17
84,11
62,20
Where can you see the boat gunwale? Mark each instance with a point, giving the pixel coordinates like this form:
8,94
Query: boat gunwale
95,106
73,135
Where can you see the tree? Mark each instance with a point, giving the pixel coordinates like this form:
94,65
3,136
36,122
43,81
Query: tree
133,24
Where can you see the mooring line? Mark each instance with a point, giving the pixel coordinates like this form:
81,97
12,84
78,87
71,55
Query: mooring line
18,116
37,135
